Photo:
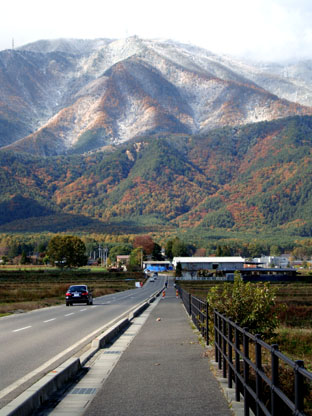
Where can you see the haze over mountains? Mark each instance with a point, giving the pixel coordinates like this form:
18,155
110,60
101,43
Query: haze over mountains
72,96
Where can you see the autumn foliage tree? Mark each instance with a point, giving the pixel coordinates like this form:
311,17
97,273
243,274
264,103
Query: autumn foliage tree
144,241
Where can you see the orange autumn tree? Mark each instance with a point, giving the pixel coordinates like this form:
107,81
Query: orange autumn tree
144,241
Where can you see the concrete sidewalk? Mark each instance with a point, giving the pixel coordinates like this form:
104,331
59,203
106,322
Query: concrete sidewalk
162,371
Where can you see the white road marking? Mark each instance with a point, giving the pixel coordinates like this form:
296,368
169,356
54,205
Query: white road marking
73,313
49,320
81,310
21,329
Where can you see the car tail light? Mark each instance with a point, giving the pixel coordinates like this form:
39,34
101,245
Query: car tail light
84,293
68,294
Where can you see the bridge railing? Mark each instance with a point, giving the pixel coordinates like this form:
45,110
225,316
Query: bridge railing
270,383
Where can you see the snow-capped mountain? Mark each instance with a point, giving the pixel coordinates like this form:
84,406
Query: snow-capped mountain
72,95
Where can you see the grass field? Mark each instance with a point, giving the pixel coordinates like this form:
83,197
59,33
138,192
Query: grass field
28,289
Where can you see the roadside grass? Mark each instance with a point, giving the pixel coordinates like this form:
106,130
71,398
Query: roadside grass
22,291
296,343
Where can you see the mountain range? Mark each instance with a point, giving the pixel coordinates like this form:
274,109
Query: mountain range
251,178
137,135
72,96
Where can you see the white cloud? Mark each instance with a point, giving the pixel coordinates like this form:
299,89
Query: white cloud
265,29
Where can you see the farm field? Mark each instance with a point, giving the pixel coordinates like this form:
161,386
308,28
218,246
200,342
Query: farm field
294,334
28,289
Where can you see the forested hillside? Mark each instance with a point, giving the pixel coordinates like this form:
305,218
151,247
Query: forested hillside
255,177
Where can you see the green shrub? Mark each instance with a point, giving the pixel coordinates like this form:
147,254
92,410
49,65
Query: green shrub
248,304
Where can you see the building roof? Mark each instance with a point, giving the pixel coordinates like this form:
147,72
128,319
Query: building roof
228,259
155,262
200,260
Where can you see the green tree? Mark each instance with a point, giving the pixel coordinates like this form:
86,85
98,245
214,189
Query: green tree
178,271
248,304
121,249
67,251
223,251
24,258
156,253
176,248
168,249
275,250
136,257
179,248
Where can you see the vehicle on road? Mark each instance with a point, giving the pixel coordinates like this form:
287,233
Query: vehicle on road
78,294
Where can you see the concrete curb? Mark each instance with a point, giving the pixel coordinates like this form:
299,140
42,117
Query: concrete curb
26,403
33,397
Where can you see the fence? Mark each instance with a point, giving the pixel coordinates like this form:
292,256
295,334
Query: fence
271,384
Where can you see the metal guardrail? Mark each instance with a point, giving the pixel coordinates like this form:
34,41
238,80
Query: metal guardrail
271,384
198,310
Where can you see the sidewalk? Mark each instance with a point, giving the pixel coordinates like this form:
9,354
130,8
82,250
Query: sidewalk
162,371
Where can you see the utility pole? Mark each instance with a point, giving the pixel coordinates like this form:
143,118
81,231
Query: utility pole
12,43
105,255
101,254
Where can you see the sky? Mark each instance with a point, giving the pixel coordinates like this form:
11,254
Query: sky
270,30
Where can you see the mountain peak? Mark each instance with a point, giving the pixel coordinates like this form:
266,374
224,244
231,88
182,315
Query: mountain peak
76,95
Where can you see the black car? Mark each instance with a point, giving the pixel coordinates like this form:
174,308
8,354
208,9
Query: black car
78,294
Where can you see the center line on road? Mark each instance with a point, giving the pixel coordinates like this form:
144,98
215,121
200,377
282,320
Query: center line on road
70,314
49,320
21,329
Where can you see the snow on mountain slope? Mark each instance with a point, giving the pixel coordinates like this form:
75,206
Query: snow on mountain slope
78,95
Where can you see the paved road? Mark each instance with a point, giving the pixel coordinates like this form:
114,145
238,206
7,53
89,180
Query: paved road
29,340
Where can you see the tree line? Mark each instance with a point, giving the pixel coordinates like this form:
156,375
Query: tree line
41,249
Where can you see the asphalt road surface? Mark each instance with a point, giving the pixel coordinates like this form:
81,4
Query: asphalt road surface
30,340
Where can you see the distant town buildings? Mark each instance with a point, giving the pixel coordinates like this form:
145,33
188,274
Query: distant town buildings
223,268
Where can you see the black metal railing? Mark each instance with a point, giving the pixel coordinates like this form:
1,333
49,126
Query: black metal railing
198,310
271,384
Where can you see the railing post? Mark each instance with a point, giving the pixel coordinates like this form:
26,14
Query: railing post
237,366
190,304
299,395
246,371
258,378
215,334
274,379
203,312
224,347
230,373
207,323
219,342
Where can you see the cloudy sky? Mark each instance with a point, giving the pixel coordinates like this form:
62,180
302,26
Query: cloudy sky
259,29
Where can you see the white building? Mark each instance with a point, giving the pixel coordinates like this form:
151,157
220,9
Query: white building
273,261
191,265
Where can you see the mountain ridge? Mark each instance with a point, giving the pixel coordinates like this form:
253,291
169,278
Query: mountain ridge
73,96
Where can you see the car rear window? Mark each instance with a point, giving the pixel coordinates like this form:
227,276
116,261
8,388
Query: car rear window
77,288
